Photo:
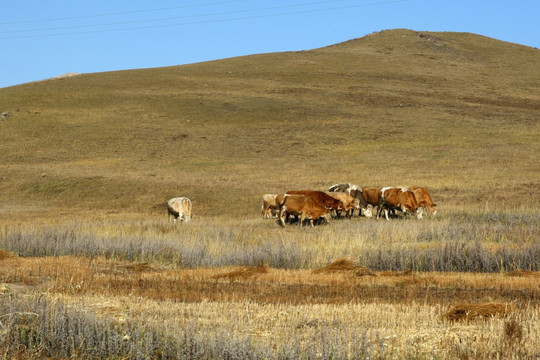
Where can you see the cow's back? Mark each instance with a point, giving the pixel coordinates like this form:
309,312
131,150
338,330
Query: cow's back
371,194
320,197
422,195
423,198
407,197
180,206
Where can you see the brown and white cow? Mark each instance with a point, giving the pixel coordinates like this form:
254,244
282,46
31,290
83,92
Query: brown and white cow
424,199
349,203
321,198
398,198
353,201
305,206
179,208
270,206
355,192
366,209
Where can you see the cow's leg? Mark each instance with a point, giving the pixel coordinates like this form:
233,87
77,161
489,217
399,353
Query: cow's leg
281,216
379,211
386,211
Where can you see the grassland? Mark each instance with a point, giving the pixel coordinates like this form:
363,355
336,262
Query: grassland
90,268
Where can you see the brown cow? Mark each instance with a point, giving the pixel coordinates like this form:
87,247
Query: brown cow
322,198
349,202
424,199
305,206
366,209
355,192
398,198
270,207
371,194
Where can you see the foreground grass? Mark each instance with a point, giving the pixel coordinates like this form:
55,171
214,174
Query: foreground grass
96,308
126,286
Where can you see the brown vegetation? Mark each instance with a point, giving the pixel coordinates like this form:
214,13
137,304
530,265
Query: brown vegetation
475,311
345,266
525,273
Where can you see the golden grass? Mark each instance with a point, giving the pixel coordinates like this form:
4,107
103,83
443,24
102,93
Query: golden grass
271,306
87,276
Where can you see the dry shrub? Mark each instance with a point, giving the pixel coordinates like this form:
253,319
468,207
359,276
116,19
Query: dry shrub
6,254
513,332
474,311
523,273
345,266
243,273
139,267
396,273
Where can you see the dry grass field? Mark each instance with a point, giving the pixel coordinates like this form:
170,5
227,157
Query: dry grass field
90,267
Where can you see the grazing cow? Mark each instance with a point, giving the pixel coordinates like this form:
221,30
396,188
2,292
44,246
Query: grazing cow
349,203
305,206
355,192
270,207
353,201
322,198
366,209
398,198
424,199
179,208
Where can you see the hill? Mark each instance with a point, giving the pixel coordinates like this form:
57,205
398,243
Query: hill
456,112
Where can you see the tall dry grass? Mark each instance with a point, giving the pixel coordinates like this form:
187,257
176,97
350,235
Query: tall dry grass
139,329
464,242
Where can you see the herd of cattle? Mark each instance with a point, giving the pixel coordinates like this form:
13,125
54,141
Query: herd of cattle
340,199
345,199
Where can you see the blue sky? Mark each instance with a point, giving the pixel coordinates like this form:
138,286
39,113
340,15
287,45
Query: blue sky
43,39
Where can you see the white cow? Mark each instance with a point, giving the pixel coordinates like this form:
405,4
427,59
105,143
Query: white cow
179,207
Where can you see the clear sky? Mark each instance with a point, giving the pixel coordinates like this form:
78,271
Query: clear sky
43,39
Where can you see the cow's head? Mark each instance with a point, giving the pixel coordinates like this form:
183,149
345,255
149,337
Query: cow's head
367,211
356,204
327,217
433,209
419,213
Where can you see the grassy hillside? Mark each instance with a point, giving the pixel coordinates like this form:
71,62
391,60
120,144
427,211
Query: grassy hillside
456,112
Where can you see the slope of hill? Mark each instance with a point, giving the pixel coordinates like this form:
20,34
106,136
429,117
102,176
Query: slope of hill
456,112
